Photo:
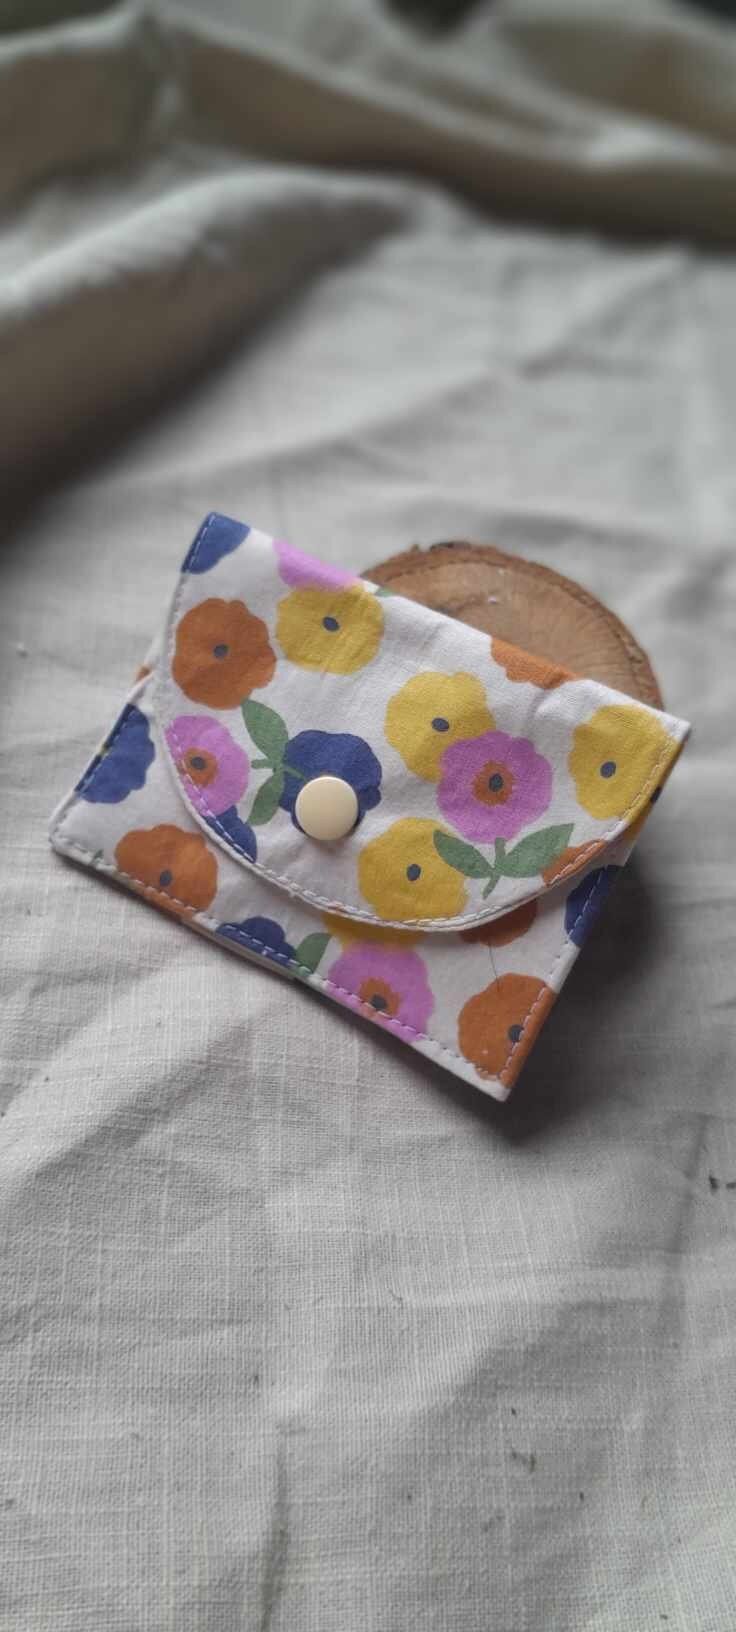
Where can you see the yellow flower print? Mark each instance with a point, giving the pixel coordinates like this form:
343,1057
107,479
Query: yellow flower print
349,930
430,713
402,875
614,757
336,630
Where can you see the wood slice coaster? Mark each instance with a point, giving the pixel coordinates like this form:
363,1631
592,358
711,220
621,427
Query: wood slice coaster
526,604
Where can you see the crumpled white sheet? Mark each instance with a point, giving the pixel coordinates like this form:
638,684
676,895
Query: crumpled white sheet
296,1332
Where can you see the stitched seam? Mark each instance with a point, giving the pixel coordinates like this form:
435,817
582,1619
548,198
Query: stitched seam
311,977
568,941
346,906
282,958
118,731
150,891
321,981
198,542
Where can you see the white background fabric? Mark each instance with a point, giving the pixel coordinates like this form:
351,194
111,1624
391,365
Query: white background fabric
295,1331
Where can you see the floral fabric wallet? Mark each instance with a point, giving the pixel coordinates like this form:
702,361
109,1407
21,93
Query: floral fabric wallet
371,797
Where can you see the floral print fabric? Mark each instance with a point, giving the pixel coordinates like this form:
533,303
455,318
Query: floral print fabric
493,786
403,873
171,863
612,754
222,653
122,762
386,983
430,713
214,766
497,798
333,631
330,753
502,1021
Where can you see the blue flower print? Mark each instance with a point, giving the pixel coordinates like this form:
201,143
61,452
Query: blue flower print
218,536
330,753
262,935
239,833
585,901
122,764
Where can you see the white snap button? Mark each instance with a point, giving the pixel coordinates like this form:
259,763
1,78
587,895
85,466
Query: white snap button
326,807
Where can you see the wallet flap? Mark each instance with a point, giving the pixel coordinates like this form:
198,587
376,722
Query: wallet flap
482,776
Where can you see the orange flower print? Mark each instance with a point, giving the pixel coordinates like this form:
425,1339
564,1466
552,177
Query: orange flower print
497,1027
501,931
222,653
518,665
176,867
571,859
